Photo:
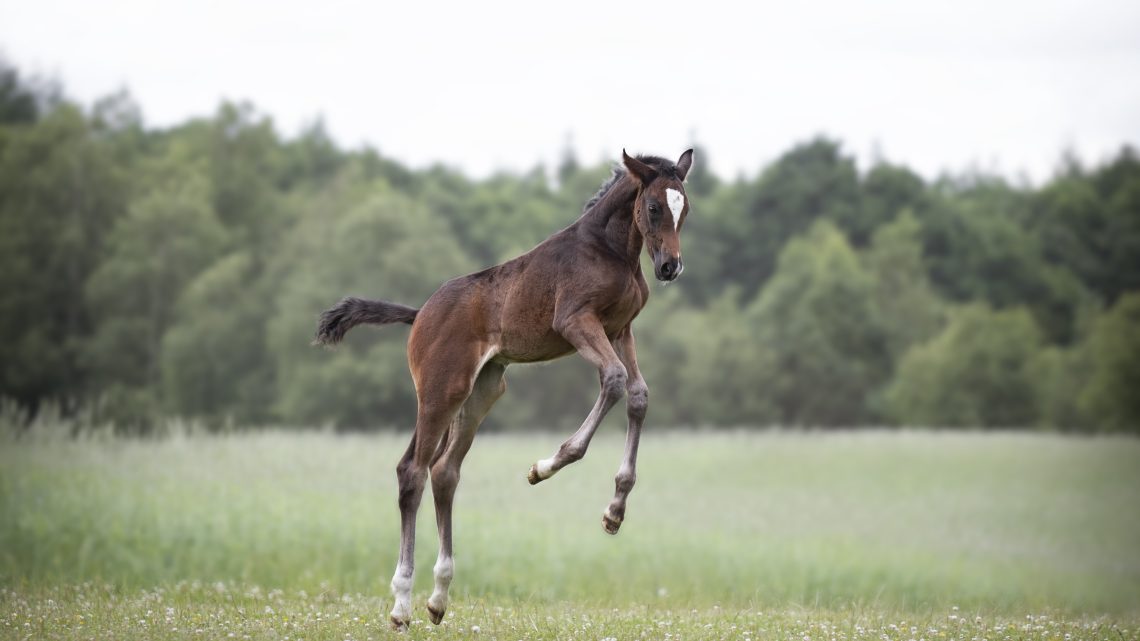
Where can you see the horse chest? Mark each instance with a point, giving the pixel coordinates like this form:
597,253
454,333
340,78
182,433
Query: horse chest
625,307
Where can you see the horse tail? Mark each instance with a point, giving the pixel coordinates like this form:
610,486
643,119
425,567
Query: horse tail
350,312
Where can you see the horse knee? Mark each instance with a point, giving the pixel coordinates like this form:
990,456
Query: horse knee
444,480
614,379
624,481
571,452
410,479
638,399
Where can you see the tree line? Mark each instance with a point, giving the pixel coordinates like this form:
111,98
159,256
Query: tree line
148,273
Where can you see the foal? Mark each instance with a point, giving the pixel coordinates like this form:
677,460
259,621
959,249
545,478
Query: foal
579,291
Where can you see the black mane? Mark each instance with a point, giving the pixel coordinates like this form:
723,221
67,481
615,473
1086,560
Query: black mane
660,165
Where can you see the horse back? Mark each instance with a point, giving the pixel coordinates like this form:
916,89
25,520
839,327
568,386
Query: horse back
514,307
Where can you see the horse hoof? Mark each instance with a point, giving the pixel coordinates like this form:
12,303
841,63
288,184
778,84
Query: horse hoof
532,477
436,616
399,625
610,523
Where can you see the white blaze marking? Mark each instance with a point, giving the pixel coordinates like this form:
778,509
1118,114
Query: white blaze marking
676,205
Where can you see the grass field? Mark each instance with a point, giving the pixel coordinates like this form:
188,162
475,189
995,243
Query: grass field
802,536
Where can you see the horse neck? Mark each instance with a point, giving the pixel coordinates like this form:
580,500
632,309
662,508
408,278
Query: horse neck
611,221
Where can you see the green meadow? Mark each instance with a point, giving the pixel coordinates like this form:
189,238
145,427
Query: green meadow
783,535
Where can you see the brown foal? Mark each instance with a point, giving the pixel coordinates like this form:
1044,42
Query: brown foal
577,291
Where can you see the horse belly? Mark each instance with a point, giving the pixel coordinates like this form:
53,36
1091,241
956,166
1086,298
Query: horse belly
532,348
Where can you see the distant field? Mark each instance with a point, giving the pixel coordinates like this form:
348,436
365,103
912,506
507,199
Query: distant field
772,533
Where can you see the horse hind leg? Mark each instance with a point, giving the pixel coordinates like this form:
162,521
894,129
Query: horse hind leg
489,386
411,482
435,415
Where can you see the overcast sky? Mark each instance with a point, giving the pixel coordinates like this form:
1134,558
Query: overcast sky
1003,85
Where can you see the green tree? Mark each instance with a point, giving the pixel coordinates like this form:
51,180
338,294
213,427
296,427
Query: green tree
1061,374
60,191
508,215
909,310
167,237
700,363
886,191
22,100
248,169
1120,182
976,250
978,372
1110,400
812,181
214,360
399,251
311,158
820,349
1070,224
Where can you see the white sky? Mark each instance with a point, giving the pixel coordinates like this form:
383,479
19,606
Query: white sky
1003,85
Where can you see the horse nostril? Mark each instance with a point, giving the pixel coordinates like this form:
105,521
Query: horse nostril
667,269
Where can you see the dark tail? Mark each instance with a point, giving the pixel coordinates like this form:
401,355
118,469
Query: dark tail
350,312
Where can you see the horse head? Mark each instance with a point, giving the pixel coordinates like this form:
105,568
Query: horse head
660,209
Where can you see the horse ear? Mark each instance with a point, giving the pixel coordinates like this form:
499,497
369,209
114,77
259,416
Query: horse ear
639,170
685,164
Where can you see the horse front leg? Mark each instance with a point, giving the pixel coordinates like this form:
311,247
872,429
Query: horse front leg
637,405
586,334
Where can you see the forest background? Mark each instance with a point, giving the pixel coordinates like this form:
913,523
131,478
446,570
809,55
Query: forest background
151,275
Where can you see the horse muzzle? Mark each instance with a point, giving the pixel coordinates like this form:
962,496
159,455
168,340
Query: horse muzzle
669,269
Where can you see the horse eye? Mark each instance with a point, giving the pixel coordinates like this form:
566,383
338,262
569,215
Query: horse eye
653,209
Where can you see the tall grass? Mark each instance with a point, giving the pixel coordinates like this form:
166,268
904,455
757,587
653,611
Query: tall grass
902,520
